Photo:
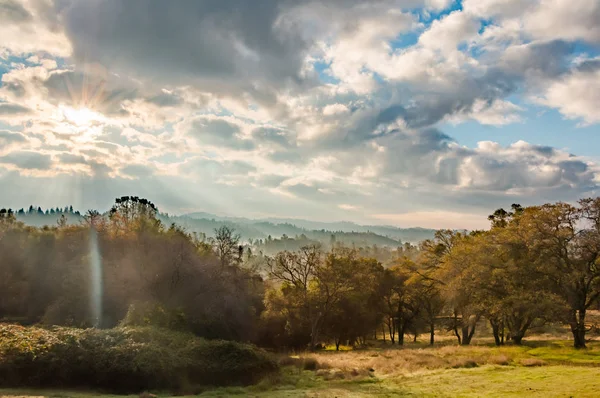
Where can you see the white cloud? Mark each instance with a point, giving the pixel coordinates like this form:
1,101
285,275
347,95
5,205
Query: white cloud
335,109
565,19
496,113
577,94
497,8
28,26
447,33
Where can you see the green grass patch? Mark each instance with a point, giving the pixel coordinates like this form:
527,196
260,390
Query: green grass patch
493,381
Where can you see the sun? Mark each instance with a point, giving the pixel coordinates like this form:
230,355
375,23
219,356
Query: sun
80,117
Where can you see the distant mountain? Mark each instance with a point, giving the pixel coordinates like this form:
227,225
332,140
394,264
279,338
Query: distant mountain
277,227
272,233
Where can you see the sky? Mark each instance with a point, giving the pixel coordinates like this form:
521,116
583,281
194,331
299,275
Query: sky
427,113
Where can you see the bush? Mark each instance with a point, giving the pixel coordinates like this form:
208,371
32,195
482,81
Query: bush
502,360
530,362
124,360
153,314
310,364
464,363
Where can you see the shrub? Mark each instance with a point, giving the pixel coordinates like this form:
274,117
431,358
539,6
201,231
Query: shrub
464,363
532,362
124,359
310,364
153,314
500,360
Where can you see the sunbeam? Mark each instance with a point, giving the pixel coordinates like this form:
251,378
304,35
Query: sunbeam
96,279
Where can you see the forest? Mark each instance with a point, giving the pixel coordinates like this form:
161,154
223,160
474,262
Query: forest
270,235
534,265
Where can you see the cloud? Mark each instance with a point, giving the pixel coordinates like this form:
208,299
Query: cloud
335,109
569,20
69,158
576,94
447,33
27,160
436,219
9,139
29,26
137,171
219,133
92,87
565,19
519,167
496,113
12,109
218,42
300,107
13,11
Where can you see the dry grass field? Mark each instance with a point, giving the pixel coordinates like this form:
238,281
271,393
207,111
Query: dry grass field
541,367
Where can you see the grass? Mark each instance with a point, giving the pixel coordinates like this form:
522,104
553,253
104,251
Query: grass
541,368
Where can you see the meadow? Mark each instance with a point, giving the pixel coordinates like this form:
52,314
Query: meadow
541,367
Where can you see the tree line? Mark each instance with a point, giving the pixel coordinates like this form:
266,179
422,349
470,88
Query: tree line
534,265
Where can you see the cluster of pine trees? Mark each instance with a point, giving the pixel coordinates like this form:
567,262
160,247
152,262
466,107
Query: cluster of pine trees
534,265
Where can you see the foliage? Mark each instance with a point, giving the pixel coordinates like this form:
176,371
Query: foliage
124,359
147,271
535,265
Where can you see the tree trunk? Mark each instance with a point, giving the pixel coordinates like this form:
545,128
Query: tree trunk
383,330
496,336
578,328
518,338
337,344
400,335
431,333
392,329
314,332
496,330
455,328
467,334
457,335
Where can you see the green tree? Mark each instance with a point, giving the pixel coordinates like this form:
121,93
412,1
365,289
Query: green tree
566,241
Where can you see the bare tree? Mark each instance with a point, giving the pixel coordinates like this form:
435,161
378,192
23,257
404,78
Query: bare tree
226,245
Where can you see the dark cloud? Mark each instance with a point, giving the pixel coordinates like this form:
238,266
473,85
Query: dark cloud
433,158
12,11
69,158
8,137
213,170
542,59
28,160
270,180
138,170
272,135
187,40
13,109
165,100
219,133
15,88
289,157
91,87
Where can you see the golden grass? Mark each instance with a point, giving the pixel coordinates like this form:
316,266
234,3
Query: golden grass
540,368
533,362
